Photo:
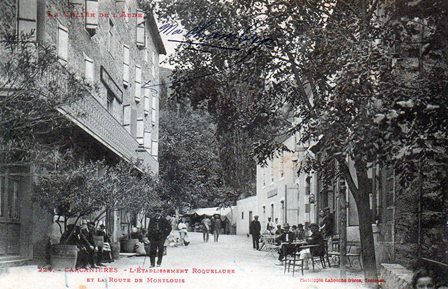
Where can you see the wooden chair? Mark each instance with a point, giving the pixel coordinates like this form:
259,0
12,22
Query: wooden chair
353,251
295,261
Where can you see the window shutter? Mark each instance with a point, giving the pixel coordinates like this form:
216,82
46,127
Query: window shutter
62,44
140,130
134,123
90,68
127,117
154,109
92,14
138,82
27,17
125,65
147,101
147,141
140,28
155,148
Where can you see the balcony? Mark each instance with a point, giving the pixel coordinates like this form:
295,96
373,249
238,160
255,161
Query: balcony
91,116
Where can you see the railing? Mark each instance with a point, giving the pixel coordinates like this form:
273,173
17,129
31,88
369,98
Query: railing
90,115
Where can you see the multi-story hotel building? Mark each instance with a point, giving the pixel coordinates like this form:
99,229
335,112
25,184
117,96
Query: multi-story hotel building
115,46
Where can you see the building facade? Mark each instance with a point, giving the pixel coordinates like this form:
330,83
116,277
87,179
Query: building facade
115,46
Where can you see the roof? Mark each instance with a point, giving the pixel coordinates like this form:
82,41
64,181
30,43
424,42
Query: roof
210,211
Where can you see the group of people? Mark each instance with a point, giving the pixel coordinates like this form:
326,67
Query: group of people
316,235
211,225
91,253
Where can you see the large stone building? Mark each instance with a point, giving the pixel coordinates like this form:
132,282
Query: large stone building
116,47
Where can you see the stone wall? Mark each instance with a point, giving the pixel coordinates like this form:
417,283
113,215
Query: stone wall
395,276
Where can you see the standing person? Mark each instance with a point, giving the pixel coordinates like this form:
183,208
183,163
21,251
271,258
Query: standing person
158,229
255,230
270,227
301,234
182,230
206,224
216,227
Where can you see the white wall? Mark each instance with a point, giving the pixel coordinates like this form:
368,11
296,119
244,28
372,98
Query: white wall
243,209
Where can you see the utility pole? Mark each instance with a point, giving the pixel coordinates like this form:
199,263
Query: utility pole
342,229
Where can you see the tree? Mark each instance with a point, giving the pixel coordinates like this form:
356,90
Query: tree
191,174
334,64
33,86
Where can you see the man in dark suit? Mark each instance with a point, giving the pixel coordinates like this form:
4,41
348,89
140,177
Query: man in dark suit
255,230
158,229
285,240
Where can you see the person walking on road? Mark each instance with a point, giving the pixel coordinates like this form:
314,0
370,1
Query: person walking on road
216,227
255,230
182,231
158,229
206,224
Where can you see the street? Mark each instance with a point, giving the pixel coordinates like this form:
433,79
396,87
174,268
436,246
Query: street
236,265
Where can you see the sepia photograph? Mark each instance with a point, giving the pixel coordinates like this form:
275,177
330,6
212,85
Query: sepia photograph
223,144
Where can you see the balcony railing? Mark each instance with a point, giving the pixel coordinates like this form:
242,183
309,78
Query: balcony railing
90,115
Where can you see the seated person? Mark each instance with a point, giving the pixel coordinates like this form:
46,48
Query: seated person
86,235
316,238
300,233
71,237
287,237
279,230
107,252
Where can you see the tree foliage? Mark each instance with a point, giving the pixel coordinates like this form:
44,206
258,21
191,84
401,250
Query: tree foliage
365,78
191,174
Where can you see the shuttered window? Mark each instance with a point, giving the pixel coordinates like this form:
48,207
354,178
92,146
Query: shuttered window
89,69
62,44
138,83
140,28
91,15
140,130
125,65
127,117
154,109
147,101
147,141
155,148
26,18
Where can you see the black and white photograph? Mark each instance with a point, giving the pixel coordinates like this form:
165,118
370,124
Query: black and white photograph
223,144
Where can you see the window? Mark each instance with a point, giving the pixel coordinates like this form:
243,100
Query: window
154,109
242,215
147,106
308,185
62,44
272,211
282,166
307,208
13,200
138,83
26,18
110,102
110,37
140,28
127,117
155,148
89,68
91,16
272,171
147,141
125,65
140,130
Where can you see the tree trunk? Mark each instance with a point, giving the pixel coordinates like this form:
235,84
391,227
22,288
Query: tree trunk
361,196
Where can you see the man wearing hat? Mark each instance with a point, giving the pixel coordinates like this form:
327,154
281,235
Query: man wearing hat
158,229
255,230
285,240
